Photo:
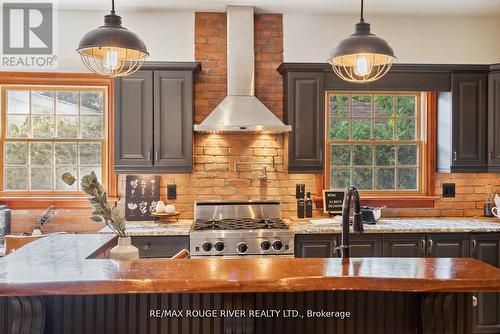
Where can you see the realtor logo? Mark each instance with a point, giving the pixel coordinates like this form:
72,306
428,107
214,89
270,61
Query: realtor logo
28,36
27,28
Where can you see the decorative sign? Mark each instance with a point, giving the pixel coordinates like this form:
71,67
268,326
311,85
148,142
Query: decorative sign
332,201
142,194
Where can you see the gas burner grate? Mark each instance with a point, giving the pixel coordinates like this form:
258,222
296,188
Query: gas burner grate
240,224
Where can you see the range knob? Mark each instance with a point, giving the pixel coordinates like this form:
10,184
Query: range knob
278,245
207,246
265,245
242,247
219,246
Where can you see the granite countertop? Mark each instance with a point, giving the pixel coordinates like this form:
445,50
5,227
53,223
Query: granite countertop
149,228
406,225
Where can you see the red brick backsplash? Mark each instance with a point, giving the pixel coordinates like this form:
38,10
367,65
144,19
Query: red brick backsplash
468,202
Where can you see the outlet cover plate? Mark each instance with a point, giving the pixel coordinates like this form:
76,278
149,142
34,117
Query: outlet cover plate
171,191
448,189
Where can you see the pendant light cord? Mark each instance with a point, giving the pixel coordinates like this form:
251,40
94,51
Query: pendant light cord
113,6
362,5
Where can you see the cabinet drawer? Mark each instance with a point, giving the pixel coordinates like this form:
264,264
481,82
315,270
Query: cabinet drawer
160,246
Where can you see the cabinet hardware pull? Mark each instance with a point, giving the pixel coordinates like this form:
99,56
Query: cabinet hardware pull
147,246
474,301
149,155
422,244
431,243
474,245
156,155
321,155
454,155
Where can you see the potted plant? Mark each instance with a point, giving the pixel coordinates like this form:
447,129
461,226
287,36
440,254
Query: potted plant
46,217
113,217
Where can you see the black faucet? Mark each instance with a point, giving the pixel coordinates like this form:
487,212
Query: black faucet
357,226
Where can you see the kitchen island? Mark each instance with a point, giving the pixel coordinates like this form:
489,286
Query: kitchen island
55,282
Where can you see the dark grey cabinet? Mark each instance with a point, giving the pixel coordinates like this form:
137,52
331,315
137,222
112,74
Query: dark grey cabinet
324,245
365,245
448,245
304,111
154,119
486,316
404,245
316,245
133,116
160,246
469,122
494,122
173,120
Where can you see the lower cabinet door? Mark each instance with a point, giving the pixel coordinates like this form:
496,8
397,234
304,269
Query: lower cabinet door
404,245
448,245
365,245
164,246
315,245
486,316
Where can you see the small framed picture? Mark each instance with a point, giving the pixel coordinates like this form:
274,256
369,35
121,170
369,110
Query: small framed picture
332,201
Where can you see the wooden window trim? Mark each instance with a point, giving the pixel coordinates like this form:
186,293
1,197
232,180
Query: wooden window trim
27,200
424,199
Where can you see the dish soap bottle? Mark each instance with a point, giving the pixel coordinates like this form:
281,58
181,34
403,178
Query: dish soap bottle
490,202
309,206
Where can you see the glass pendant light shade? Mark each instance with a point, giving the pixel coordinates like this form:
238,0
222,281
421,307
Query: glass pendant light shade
362,57
112,50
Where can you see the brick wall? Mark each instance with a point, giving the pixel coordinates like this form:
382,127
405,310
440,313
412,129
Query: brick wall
469,200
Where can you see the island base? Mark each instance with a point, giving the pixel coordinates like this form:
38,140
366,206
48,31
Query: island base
306,312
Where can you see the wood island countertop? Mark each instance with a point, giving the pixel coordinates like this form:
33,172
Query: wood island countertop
65,265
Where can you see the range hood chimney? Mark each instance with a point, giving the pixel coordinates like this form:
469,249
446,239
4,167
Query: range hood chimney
241,111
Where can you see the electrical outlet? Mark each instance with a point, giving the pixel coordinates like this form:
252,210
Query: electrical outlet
171,191
448,189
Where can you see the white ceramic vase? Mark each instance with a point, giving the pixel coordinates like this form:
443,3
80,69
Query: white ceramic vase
36,231
124,250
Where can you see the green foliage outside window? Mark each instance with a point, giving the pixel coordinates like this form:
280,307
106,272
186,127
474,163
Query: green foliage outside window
50,132
373,141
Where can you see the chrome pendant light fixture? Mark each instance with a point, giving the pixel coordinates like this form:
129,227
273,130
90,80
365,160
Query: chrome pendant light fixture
362,57
112,50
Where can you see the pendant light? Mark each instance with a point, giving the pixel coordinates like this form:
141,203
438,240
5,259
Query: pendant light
362,57
112,50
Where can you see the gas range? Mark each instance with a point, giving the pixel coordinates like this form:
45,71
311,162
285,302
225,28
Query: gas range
239,228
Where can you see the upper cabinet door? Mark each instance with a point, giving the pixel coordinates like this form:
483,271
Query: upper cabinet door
305,109
133,120
494,122
469,108
173,125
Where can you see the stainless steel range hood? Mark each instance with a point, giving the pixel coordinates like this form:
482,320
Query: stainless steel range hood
241,111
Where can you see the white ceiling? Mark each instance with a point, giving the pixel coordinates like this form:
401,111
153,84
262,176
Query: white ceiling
405,7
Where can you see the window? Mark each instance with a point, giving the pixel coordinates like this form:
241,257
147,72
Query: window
375,142
48,131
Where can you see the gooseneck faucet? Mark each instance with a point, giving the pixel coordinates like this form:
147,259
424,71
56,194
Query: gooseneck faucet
357,226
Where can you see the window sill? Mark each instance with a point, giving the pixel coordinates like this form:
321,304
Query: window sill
391,201
42,202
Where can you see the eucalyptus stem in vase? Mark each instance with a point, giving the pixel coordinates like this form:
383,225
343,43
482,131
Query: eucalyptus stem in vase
112,216
102,210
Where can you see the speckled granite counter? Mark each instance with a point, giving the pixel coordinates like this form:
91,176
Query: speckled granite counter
407,225
182,227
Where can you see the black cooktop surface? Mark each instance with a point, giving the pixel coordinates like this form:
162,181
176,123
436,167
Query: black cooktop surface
239,224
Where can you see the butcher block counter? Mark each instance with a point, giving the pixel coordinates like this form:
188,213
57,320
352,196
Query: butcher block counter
72,265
